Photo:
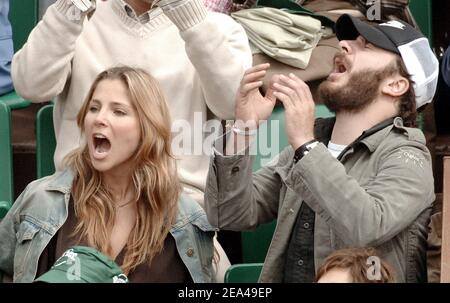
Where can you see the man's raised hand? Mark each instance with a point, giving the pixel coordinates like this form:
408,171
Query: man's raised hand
299,109
251,106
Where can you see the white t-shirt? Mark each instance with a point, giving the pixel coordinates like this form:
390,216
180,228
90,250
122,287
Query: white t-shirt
335,149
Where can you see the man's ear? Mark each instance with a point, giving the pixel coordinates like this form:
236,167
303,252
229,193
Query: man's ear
395,86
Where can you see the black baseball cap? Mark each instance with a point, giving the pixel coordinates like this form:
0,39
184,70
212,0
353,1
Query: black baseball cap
401,38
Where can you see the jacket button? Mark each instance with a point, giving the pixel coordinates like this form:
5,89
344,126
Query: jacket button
190,252
235,169
300,262
306,225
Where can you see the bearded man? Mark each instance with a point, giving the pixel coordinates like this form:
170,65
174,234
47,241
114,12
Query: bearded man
363,178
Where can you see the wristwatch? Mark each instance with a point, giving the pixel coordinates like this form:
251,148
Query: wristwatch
304,149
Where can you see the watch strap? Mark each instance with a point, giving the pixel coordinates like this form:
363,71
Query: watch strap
304,149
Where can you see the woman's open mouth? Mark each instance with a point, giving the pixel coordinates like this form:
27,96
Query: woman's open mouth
101,144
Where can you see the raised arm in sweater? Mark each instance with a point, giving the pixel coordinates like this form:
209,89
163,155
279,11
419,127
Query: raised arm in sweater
41,68
217,47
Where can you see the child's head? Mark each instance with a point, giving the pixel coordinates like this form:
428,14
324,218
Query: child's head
354,265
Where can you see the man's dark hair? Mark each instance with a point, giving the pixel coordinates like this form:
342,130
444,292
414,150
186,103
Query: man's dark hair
407,107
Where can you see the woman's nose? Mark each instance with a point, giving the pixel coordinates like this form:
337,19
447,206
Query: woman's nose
101,118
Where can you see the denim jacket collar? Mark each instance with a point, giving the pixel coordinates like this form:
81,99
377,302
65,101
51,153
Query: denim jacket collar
63,183
187,212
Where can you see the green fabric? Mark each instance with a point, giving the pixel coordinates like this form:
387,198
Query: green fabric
243,273
294,8
45,142
288,38
81,264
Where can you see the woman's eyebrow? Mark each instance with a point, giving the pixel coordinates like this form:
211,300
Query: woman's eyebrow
116,103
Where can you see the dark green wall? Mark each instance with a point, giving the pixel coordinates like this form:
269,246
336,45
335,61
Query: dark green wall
422,12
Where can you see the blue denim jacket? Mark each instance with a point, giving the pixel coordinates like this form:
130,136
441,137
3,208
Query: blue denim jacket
41,210
6,48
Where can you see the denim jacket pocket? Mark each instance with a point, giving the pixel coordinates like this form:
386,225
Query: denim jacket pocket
27,230
204,234
25,246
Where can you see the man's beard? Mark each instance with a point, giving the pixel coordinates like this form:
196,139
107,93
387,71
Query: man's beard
360,90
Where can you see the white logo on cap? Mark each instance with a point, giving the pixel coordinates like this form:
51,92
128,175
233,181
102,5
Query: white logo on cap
394,23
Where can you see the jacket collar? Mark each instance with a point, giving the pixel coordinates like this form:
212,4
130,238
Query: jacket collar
371,138
61,181
188,210
323,128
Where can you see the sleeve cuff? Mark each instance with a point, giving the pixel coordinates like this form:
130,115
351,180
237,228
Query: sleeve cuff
186,14
71,11
245,146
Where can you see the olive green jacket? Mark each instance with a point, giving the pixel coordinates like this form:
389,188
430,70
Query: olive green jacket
379,193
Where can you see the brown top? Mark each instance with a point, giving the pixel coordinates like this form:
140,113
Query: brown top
165,267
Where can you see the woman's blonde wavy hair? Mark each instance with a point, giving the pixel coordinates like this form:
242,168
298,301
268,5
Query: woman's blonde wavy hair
155,181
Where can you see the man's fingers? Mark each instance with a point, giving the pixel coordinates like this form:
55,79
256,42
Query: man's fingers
252,77
270,95
302,83
257,68
296,79
284,99
246,88
286,91
298,86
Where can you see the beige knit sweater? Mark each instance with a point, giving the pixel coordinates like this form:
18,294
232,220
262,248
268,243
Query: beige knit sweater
198,57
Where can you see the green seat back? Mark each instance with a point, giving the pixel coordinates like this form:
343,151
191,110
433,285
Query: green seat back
23,15
8,102
6,169
4,208
256,243
45,141
23,18
243,273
